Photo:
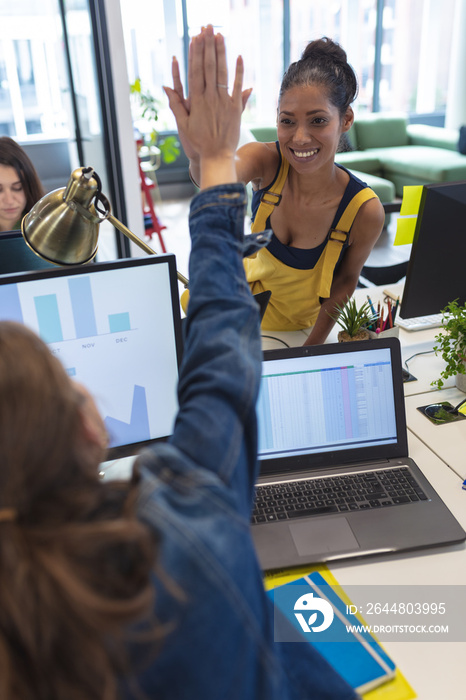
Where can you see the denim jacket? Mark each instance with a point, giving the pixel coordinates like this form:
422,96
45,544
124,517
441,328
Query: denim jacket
197,493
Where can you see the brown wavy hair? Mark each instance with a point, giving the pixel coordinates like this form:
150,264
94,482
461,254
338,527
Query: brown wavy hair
75,562
11,154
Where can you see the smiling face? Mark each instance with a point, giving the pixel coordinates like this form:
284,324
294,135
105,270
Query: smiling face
309,127
12,198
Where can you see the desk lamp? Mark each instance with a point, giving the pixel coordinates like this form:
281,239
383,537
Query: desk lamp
63,226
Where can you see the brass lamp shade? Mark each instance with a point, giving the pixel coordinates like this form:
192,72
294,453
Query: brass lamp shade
63,226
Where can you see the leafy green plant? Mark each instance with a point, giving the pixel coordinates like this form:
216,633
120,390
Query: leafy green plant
451,342
146,107
351,319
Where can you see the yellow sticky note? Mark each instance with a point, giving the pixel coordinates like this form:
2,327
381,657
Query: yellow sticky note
411,200
405,227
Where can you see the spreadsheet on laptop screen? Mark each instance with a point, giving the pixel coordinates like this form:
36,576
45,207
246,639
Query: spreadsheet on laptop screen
326,403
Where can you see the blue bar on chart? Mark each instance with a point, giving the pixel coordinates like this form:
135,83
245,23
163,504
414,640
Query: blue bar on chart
119,322
137,430
10,305
82,305
48,318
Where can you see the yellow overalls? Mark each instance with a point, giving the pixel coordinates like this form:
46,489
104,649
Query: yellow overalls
296,293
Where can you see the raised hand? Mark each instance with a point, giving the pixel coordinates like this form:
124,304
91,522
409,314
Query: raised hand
209,120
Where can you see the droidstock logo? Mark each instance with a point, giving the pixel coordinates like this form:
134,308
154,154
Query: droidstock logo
309,604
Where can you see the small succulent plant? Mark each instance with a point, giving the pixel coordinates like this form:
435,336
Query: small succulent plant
352,319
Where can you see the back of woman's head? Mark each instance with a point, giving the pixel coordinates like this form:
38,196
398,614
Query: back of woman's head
324,63
74,561
11,154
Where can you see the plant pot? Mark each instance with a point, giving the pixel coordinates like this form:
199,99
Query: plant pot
345,337
460,381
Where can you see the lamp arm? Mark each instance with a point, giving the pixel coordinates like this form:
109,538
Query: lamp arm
139,242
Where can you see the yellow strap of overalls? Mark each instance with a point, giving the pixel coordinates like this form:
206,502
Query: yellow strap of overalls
338,237
271,198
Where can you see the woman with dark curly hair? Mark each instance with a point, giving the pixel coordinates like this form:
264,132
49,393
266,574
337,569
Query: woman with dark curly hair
325,221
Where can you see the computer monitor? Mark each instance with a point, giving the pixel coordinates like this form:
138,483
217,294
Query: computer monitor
436,271
17,256
116,328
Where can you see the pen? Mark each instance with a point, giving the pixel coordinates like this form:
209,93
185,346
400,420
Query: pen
389,303
371,304
395,309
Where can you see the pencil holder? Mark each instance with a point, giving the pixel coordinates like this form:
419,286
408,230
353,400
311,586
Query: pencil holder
389,333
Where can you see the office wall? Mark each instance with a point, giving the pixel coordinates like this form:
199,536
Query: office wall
126,140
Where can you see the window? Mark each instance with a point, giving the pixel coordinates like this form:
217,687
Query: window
154,33
400,53
415,56
352,23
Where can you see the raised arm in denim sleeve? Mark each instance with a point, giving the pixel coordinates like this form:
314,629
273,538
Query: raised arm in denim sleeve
220,371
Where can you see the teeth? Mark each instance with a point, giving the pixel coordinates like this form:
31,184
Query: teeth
305,154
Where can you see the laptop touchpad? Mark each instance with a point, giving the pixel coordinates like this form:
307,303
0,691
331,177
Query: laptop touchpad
323,535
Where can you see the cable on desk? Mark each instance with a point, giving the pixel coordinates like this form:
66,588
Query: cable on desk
272,337
425,352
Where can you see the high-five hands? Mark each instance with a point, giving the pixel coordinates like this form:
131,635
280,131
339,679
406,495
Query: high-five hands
209,119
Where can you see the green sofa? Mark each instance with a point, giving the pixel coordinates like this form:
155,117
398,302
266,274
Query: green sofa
389,153
387,146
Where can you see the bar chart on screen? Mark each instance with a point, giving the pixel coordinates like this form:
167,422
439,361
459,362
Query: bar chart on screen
109,335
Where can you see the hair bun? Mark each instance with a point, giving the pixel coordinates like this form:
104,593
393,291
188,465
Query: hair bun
324,48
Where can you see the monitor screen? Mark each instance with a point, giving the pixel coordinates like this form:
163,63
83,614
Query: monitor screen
116,328
436,269
17,256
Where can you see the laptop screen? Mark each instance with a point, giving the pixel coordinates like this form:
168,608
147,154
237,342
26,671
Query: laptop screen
116,328
327,403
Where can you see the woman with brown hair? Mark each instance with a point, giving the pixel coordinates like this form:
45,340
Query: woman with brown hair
74,560
20,186
149,589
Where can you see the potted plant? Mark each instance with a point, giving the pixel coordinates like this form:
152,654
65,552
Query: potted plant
145,107
451,344
354,322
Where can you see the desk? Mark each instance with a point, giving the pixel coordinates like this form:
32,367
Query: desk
447,441
434,669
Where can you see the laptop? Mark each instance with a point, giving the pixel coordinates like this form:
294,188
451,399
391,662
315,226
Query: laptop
116,328
335,477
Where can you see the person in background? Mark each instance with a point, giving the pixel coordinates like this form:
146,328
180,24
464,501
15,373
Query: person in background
20,186
325,221
85,614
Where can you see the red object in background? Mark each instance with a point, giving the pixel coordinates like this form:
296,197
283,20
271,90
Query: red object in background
151,221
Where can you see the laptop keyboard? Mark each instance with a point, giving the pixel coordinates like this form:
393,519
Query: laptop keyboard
336,494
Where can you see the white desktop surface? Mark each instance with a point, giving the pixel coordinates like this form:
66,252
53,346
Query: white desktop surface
447,441
434,669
